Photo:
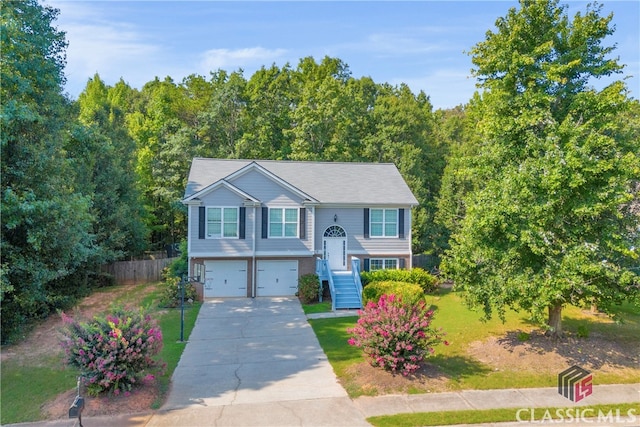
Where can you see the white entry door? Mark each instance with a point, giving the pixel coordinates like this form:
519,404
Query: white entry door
225,279
335,251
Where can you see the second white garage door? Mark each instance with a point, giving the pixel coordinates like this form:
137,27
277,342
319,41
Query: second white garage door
277,278
225,279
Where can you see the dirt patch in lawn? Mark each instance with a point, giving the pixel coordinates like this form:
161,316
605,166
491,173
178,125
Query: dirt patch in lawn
139,401
42,345
373,381
541,354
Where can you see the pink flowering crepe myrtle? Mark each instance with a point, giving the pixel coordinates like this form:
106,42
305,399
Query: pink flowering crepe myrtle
115,352
395,336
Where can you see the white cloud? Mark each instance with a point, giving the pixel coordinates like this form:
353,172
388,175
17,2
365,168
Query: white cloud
215,59
112,48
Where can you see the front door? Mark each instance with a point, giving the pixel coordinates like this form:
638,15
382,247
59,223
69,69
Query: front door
334,247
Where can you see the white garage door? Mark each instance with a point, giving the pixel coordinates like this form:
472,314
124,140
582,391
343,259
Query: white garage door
225,279
277,278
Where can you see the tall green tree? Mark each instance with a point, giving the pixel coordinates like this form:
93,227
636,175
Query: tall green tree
403,133
45,223
269,96
548,228
104,160
157,129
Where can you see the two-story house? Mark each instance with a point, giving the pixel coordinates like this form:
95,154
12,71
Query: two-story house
254,227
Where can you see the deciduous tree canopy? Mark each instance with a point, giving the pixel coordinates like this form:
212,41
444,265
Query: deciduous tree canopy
544,220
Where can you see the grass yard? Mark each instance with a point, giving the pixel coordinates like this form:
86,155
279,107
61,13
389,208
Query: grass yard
35,374
624,410
492,354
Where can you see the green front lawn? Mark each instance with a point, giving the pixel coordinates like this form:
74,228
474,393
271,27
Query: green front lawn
464,327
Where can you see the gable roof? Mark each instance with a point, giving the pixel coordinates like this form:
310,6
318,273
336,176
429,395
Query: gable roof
323,182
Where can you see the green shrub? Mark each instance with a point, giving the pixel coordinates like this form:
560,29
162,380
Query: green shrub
180,267
418,276
308,288
583,332
410,293
170,291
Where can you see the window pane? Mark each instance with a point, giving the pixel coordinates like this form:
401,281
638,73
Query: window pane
375,264
213,214
376,229
391,215
390,229
213,229
276,229
291,215
230,229
230,215
376,215
290,230
391,263
275,215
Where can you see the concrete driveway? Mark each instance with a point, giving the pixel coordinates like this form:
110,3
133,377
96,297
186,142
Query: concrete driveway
255,362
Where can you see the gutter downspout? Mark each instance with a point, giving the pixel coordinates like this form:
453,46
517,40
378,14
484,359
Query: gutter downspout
253,254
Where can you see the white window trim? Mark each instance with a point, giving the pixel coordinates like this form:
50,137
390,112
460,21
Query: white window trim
384,261
384,215
283,209
222,236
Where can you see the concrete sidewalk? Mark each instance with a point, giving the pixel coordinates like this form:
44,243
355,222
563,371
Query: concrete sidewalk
340,411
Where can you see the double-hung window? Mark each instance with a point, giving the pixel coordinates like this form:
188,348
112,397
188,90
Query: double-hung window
222,223
383,263
384,222
283,222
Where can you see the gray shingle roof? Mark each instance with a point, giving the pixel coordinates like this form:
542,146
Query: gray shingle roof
327,182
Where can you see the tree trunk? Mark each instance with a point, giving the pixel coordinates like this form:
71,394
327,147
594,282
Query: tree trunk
555,321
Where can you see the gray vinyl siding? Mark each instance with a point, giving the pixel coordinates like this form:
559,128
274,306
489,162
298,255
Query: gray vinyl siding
264,189
222,197
352,220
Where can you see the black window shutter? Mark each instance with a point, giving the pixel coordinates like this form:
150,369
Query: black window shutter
243,222
202,216
366,223
303,223
265,222
366,264
401,223
403,263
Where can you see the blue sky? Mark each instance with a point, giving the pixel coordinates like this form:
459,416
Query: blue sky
420,43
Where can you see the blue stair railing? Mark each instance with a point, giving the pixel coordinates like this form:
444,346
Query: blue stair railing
355,273
324,273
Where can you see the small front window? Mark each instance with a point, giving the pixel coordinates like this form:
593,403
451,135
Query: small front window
384,223
283,222
383,264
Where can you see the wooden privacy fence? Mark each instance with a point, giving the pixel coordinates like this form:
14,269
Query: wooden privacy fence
142,271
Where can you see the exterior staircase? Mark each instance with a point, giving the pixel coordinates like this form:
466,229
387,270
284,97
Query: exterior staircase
345,286
346,293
